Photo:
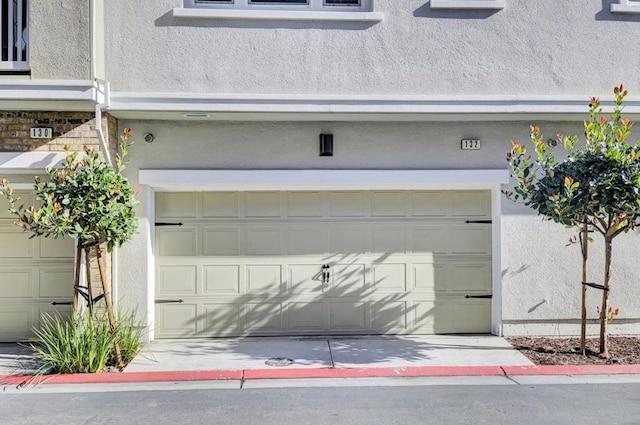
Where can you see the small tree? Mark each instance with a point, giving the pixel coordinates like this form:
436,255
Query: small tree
88,200
596,187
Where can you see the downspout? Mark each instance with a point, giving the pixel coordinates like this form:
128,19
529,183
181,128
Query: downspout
99,102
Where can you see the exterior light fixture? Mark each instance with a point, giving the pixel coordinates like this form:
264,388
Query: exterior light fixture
326,144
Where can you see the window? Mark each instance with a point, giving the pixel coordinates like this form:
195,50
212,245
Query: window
324,5
14,35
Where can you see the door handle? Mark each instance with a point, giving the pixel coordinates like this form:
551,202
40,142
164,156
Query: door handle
326,273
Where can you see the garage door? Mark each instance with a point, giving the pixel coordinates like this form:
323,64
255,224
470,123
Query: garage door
34,273
287,263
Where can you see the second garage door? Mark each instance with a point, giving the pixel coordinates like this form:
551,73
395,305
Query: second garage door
287,263
36,275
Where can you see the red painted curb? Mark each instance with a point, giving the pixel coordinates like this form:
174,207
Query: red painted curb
373,372
106,378
572,370
302,373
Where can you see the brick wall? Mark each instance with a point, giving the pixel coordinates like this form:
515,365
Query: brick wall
76,129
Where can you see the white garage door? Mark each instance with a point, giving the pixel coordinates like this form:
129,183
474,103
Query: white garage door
286,263
34,273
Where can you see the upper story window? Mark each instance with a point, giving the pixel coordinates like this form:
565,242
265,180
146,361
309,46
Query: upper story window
14,35
315,5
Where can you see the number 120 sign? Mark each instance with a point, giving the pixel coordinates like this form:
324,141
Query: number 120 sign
470,144
41,133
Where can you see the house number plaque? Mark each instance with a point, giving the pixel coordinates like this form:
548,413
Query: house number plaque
470,144
41,133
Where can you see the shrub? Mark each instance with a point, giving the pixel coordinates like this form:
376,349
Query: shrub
84,344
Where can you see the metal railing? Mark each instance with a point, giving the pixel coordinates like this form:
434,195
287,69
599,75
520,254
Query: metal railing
14,35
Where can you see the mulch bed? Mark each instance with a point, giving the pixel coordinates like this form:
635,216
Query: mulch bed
566,351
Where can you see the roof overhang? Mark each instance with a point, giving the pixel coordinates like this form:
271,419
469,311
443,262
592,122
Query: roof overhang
246,107
50,95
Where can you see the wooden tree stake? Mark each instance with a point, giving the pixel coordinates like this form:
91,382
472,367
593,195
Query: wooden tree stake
106,288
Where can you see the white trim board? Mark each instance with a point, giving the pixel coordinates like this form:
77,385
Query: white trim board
468,4
233,106
279,15
257,180
626,6
30,160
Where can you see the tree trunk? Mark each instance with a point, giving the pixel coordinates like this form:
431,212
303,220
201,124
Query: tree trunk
585,269
76,280
106,288
604,343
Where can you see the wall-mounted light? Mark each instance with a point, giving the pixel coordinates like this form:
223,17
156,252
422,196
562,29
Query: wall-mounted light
149,138
326,144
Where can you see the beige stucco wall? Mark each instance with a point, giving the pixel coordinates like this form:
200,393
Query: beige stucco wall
539,276
59,40
536,47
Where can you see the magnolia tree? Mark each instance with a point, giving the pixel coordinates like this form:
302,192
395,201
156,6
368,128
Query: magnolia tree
596,187
88,200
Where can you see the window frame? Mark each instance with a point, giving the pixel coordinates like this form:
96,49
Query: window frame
626,6
312,5
19,19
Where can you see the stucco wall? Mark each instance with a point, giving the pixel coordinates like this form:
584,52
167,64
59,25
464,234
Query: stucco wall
531,47
59,39
540,276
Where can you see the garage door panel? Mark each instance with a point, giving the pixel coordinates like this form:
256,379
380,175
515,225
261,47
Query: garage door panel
348,280
56,248
470,239
388,204
348,240
221,241
263,204
16,323
55,283
392,315
176,205
429,204
426,277
471,204
264,279
222,317
347,316
177,280
16,283
430,240
430,316
179,242
263,241
305,316
346,204
305,279
470,276
176,319
305,204
16,244
264,317
306,241
390,239
389,278
472,316
220,205
221,279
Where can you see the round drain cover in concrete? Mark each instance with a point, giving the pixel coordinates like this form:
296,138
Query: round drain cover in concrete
279,362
